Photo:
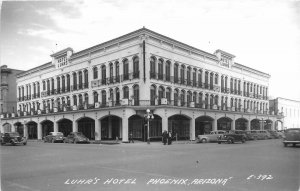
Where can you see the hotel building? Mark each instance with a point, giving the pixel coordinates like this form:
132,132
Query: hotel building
104,91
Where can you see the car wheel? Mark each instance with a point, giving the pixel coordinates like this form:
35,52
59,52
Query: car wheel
294,144
243,140
2,143
219,142
24,143
203,140
284,144
229,141
13,143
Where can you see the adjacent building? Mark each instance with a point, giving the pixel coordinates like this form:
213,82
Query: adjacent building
289,109
104,91
8,89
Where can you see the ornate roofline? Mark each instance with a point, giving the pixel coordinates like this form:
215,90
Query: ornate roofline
246,67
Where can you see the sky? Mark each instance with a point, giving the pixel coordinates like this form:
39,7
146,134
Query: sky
262,34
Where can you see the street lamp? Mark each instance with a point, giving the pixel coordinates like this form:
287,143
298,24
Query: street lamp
149,116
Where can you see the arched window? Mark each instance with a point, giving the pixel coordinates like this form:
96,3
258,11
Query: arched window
216,78
68,82
182,97
86,79
95,97
189,97
136,94
152,67
52,86
117,96
168,70
152,95
188,76
95,72
117,71
182,76
200,78
136,67
75,99
86,98
200,99
176,73
58,84
216,100
111,73
80,102
160,69
168,94
48,87
38,89
103,70
125,69
176,97
126,92
63,81
161,92
74,81
111,95
211,101
103,93
231,85
44,86
206,80
194,77
34,91
80,80
211,81
68,101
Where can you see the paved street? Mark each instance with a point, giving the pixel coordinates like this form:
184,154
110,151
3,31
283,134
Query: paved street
138,166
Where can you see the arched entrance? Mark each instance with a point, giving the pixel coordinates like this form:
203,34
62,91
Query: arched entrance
255,124
65,126
136,127
203,125
224,123
87,127
155,128
19,128
268,124
241,124
47,127
111,127
32,130
180,126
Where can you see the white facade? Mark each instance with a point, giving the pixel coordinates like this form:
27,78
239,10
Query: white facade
143,69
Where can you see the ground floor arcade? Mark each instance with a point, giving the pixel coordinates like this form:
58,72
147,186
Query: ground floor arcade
121,122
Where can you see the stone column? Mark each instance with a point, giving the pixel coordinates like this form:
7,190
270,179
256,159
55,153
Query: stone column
97,130
233,124
39,131
125,129
25,131
13,128
164,123
215,124
192,129
75,126
55,128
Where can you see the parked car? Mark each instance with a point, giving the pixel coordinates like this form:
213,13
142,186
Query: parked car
76,137
251,136
54,137
291,136
274,134
13,138
232,137
211,137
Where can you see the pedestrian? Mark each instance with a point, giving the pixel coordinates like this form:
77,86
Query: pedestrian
131,138
169,138
165,137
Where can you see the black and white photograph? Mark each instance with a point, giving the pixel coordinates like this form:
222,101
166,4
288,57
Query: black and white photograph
160,95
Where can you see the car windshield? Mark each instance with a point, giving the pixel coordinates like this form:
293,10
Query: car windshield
14,134
79,134
57,134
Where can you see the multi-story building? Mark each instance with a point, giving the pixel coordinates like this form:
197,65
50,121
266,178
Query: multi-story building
289,109
104,91
8,89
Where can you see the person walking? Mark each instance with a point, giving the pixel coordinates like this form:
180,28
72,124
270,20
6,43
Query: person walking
169,138
131,138
165,137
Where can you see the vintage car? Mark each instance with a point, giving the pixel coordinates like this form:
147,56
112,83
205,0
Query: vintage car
13,138
76,137
54,137
232,137
261,134
211,137
291,136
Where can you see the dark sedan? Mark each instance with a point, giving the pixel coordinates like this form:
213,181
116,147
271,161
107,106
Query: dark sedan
54,137
13,138
291,136
76,137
